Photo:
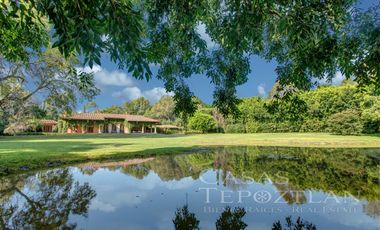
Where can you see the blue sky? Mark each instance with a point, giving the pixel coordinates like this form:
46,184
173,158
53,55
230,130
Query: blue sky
117,86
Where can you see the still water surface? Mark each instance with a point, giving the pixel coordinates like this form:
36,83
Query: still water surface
327,188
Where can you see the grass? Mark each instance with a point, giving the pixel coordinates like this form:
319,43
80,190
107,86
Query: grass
33,152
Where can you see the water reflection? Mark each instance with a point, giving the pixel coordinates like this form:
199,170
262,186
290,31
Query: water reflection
185,220
291,170
43,201
233,220
333,188
228,220
289,224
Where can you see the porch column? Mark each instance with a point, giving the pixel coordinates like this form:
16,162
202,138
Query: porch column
118,127
143,129
155,129
100,128
109,128
126,129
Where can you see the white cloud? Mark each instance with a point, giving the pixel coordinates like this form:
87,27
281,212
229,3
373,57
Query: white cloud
336,80
131,93
116,78
156,93
105,78
102,206
261,90
87,69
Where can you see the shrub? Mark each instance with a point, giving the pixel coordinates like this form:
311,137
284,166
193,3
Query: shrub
347,122
313,125
202,122
371,114
29,126
234,128
287,126
252,126
16,127
266,127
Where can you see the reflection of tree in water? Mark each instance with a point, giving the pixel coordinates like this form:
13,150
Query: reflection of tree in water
138,171
45,201
231,219
289,194
372,209
185,220
340,171
290,225
228,219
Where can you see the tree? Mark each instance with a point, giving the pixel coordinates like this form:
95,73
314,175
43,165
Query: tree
89,105
163,110
346,122
202,122
310,40
138,106
50,77
113,109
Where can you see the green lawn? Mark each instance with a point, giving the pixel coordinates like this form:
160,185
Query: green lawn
41,151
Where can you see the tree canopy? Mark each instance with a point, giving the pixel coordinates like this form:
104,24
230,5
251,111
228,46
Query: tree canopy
309,40
138,106
43,87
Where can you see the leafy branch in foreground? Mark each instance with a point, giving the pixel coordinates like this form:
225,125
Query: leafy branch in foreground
310,40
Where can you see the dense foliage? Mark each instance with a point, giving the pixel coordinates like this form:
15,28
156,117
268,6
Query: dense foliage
138,106
309,40
331,170
344,109
202,122
345,122
43,87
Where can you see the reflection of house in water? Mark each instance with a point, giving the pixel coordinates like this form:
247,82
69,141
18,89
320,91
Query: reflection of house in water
289,194
90,168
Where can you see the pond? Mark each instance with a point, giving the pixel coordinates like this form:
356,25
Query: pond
252,187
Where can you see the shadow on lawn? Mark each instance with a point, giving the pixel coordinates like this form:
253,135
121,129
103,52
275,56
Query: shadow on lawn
60,156
87,136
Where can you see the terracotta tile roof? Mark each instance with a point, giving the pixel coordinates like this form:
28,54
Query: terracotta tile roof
103,116
130,117
169,127
48,122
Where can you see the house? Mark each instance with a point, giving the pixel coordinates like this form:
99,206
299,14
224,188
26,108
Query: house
109,123
48,125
